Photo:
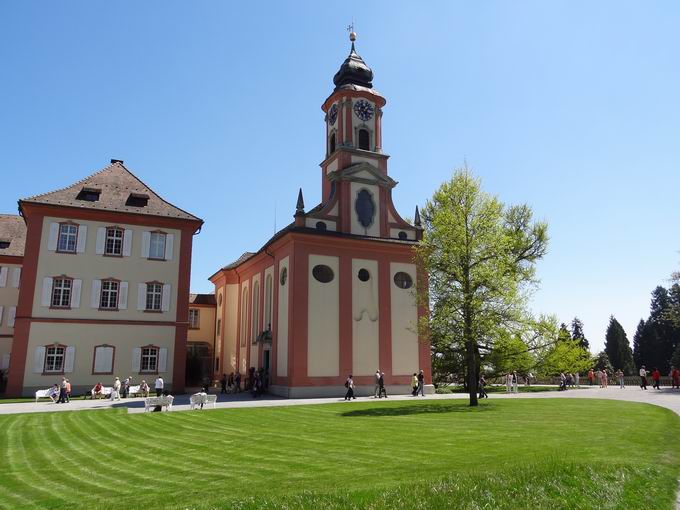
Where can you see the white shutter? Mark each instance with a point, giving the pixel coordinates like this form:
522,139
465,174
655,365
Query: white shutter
96,290
122,295
69,358
2,308
169,245
146,243
39,360
3,276
127,242
11,316
16,277
101,239
46,292
165,302
75,293
141,296
103,359
162,359
52,241
82,239
4,364
136,359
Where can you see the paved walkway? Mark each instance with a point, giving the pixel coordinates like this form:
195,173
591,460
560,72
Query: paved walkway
665,398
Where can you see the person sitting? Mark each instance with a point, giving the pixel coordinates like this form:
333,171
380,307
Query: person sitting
96,392
54,393
144,389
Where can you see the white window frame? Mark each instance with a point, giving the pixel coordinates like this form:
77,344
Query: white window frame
154,297
150,355
59,290
194,318
157,241
108,292
113,241
70,236
58,354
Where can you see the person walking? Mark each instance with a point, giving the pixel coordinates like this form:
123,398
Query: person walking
508,382
237,382
62,391
421,383
230,383
675,377
381,386
482,385
376,389
223,384
414,384
605,379
349,384
68,391
643,377
577,376
622,380
563,381
115,391
159,386
530,376
125,387
656,378
591,376
515,381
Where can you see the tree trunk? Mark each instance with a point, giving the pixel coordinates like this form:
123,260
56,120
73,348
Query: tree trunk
472,372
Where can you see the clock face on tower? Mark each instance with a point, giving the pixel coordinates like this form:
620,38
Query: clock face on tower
363,109
333,114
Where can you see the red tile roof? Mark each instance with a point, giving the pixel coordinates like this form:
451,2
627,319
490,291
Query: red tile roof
12,229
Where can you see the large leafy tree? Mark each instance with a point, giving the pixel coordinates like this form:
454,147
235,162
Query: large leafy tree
618,348
510,353
566,356
577,333
480,256
602,362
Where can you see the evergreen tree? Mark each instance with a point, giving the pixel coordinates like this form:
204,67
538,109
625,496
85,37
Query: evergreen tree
662,338
563,334
675,359
577,333
638,345
617,347
602,362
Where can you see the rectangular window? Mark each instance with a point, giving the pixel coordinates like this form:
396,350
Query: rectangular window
68,238
157,246
109,295
61,292
103,359
193,318
154,293
149,362
54,359
114,241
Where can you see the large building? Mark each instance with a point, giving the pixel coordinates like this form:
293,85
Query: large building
104,285
333,293
12,240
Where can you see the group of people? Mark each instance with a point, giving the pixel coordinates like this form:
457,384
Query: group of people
379,390
257,382
61,393
656,378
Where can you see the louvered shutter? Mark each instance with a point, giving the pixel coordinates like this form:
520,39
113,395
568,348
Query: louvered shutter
11,316
141,296
123,296
3,276
136,359
39,359
82,239
127,242
169,246
69,359
146,243
75,293
2,308
52,239
162,359
96,291
46,292
4,364
165,302
101,240
16,277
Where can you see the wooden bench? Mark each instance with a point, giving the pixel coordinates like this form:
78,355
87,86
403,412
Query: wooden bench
152,402
202,398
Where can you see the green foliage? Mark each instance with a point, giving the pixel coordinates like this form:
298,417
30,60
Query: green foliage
618,348
510,353
566,356
656,339
675,359
480,257
602,362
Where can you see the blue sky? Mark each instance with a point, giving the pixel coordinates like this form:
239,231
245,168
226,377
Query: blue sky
571,107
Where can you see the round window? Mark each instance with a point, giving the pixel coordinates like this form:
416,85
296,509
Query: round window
403,280
323,274
320,225
364,275
403,236
284,276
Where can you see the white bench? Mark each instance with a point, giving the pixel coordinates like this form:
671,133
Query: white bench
134,390
46,394
158,401
202,398
104,393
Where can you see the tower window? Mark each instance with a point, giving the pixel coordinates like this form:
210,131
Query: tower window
364,140
332,144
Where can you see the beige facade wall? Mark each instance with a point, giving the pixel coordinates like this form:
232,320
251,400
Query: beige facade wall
10,274
244,332
410,234
311,223
230,325
282,325
358,228
84,337
5,352
255,319
365,323
323,321
89,266
404,323
206,325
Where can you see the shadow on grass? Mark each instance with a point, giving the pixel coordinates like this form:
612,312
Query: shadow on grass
433,408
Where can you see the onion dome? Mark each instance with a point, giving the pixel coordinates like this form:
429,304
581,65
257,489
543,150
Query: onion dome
353,70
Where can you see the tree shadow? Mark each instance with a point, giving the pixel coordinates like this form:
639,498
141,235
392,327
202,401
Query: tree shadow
420,408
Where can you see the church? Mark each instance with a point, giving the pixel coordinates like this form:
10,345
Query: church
332,293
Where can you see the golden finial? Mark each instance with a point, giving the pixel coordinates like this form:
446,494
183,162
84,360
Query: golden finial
352,33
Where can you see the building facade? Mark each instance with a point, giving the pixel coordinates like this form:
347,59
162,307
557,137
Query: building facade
203,352
333,293
12,240
104,285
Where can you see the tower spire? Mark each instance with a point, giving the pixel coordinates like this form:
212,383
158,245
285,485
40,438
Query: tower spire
300,206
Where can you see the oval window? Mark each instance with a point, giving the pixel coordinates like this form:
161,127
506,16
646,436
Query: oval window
364,275
320,225
403,235
323,274
403,280
284,276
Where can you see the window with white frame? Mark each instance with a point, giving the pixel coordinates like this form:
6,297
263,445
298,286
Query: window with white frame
149,360
114,241
109,295
194,318
154,295
61,292
68,238
54,358
157,246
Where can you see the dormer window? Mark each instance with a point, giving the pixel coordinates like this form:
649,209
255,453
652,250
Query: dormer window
89,194
4,244
332,144
364,140
137,200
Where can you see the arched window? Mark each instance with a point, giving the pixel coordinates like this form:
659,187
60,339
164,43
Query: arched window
331,144
256,311
364,140
244,317
268,302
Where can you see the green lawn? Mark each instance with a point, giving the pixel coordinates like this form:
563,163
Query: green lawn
514,454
